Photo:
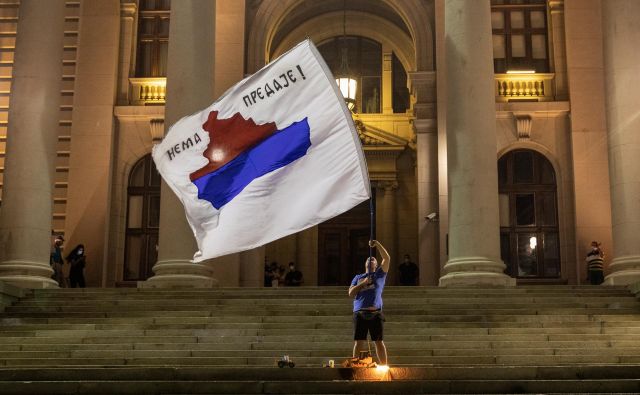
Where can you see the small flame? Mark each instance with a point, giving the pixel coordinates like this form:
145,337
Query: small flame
382,368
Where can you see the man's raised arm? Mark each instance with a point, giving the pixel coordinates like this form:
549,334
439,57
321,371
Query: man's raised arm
386,259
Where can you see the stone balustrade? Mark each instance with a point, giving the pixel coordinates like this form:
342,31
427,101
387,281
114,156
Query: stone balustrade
145,91
536,86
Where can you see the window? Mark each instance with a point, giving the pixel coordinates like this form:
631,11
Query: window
529,241
365,64
519,35
400,90
153,38
143,220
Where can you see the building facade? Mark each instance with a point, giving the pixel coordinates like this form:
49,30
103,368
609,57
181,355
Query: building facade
500,135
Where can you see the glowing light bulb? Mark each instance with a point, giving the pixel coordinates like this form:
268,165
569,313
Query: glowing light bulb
533,242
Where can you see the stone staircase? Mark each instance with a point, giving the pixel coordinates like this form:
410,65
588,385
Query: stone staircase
459,340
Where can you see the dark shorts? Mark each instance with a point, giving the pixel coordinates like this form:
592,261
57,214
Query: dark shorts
370,322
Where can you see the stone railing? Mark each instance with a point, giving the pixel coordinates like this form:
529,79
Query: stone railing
534,87
145,91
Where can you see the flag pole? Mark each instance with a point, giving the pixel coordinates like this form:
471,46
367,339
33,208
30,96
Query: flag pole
371,228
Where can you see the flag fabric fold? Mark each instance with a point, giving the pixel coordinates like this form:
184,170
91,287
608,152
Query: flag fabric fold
276,154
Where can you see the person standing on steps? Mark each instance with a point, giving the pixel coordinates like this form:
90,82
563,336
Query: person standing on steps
409,272
77,261
366,289
56,262
595,264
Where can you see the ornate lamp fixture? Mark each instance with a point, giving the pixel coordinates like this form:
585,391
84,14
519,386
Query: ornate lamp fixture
347,84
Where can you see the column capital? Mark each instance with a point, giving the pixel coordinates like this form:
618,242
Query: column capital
422,85
128,9
387,186
556,6
424,126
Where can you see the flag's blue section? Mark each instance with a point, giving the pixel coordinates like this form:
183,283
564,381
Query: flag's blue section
278,150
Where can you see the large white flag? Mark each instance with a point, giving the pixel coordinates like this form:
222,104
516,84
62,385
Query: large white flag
276,154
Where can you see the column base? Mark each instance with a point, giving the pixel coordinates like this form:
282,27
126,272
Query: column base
180,274
475,271
624,271
27,274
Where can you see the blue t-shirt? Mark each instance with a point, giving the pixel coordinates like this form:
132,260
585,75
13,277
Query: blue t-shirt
371,297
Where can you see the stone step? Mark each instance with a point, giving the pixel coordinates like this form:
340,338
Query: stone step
395,360
552,326
247,373
322,387
339,345
314,333
346,335
135,380
327,352
240,322
318,300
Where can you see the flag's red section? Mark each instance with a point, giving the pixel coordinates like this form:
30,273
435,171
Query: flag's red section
228,138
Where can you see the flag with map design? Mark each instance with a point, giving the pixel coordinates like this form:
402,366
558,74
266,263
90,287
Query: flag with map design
276,154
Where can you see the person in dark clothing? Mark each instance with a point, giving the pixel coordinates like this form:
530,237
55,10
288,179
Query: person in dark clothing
77,261
293,277
56,262
409,272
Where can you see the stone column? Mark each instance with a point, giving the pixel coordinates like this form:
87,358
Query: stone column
32,135
307,255
422,88
474,244
190,81
387,82
558,58
589,150
252,268
229,69
386,225
127,48
621,33
92,134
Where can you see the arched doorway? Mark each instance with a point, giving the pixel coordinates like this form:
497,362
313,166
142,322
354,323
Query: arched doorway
143,219
343,245
529,235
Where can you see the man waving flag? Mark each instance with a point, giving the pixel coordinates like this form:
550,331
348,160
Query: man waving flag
276,154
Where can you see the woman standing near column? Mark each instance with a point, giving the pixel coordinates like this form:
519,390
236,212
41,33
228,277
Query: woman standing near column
77,262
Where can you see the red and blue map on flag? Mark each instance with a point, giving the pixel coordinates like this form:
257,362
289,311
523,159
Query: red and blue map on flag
246,151
276,154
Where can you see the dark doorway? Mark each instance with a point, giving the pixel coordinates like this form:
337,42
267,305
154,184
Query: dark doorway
529,236
343,246
143,219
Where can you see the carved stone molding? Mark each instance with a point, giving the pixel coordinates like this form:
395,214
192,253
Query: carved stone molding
523,126
156,129
387,186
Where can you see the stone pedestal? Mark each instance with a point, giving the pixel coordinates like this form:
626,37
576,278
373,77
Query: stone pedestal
621,33
474,245
190,81
29,175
